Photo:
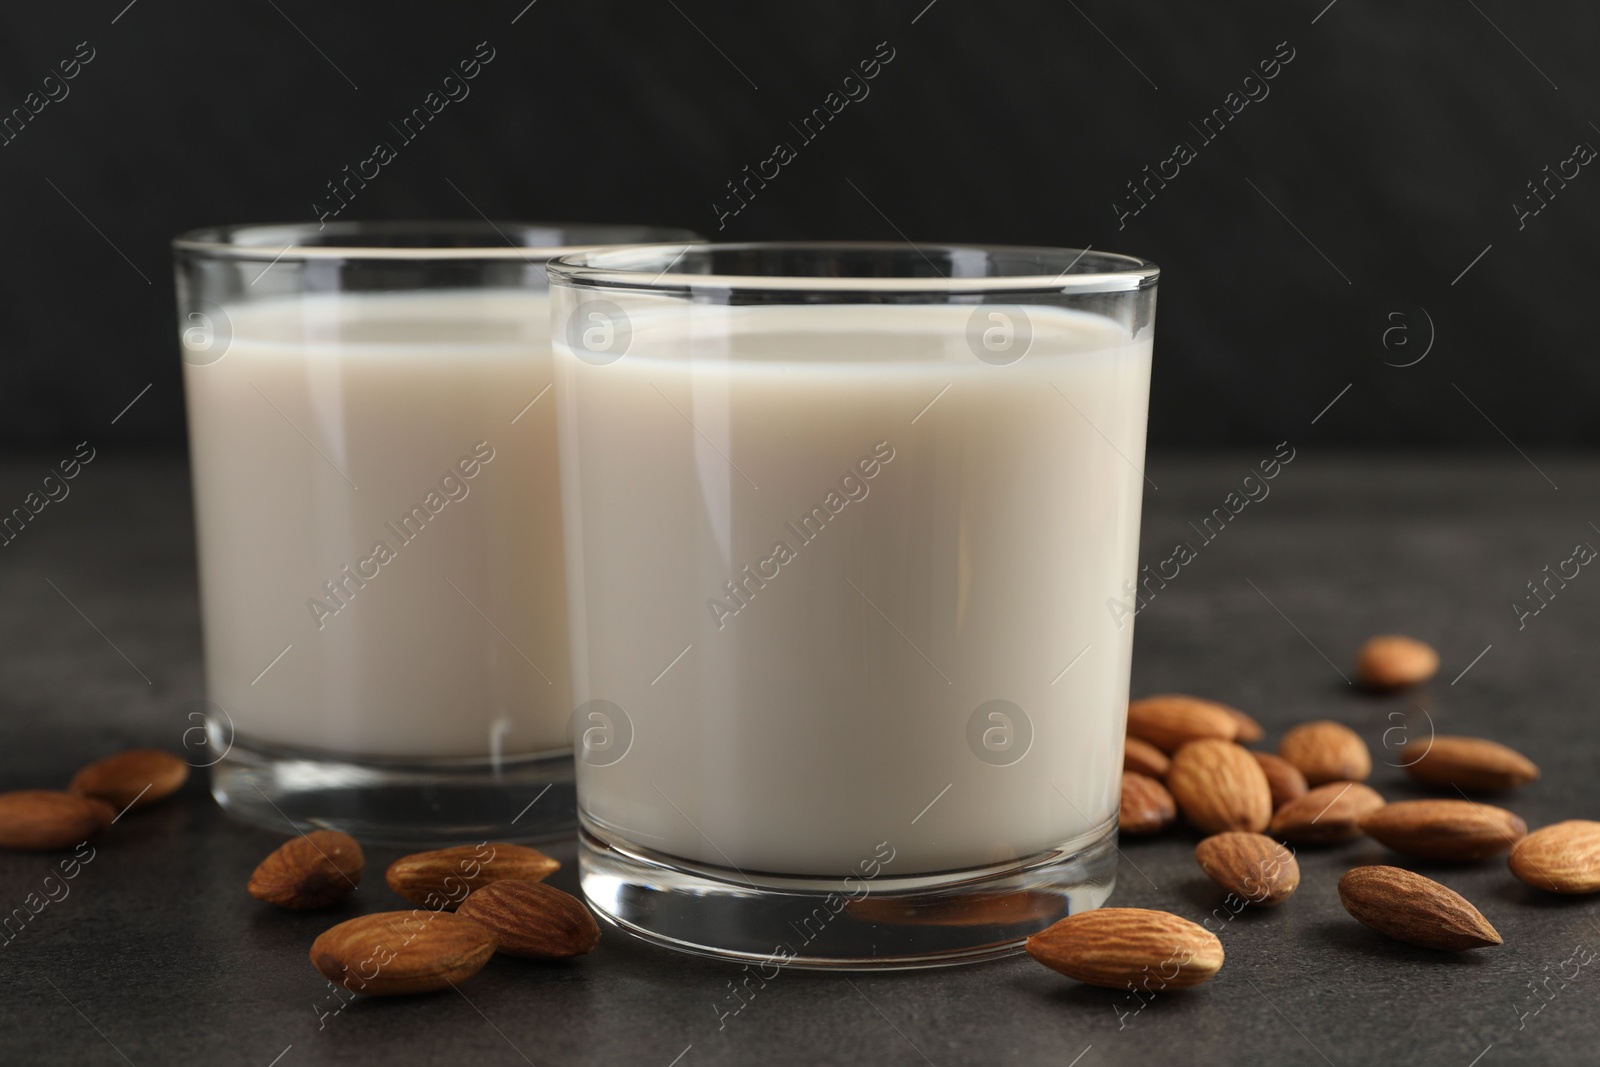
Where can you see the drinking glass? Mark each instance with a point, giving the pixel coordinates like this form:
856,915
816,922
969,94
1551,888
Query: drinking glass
379,529
847,529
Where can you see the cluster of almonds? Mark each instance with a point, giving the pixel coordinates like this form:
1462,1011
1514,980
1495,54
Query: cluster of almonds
47,820
1184,754
474,901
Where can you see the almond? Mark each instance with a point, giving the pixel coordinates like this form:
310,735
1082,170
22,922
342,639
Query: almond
1170,720
1027,908
1390,661
1220,787
443,878
396,952
1251,866
1472,764
1327,814
41,820
1114,947
1146,805
1249,731
1144,758
1444,829
1326,752
135,779
1562,858
1283,778
533,919
1417,910
310,871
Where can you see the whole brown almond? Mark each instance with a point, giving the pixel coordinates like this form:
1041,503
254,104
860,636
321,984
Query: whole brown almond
1252,866
133,779
1170,720
1327,814
1472,764
310,871
1219,786
1283,778
397,952
1444,829
1391,661
1326,752
1112,947
1417,910
532,919
1144,758
1147,807
1561,858
42,820
443,878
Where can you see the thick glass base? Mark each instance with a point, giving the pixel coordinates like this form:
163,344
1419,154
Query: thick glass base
398,802
857,923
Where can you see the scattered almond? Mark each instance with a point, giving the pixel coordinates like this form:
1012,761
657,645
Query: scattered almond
1283,778
533,919
1417,910
443,878
1220,787
1252,866
1444,829
1147,807
41,820
1326,752
1170,720
135,779
1327,814
1472,764
1114,947
397,952
1562,858
1144,758
1390,661
310,871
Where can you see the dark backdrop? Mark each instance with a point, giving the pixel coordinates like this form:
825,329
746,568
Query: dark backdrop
1358,208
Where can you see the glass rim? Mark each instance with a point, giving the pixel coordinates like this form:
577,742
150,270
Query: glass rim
649,267
288,240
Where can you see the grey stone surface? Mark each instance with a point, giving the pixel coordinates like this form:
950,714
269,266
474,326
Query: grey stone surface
157,956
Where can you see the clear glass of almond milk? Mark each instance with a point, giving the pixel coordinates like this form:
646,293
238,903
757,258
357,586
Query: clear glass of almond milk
372,443
845,530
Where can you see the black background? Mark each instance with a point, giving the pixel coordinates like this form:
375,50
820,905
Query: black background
1346,203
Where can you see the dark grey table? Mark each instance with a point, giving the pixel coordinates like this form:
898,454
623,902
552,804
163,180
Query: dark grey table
157,956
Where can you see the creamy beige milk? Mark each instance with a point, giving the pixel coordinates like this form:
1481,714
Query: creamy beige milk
803,577
378,505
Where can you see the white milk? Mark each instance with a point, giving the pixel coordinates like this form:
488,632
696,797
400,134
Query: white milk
833,707
456,645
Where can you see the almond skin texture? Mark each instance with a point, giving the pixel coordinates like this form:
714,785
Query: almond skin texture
397,952
1170,720
1147,807
1417,910
1283,778
1142,757
1219,786
1444,829
1472,764
1251,866
1390,661
532,919
1561,858
310,871
41,820
1327,814
138,777
1326,752
1112,947
443,878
